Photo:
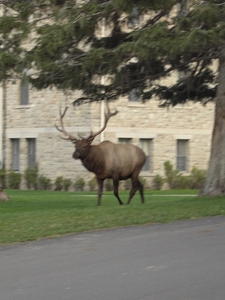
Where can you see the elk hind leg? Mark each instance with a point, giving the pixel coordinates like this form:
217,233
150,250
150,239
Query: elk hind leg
100,188
134,188
141,190
115,188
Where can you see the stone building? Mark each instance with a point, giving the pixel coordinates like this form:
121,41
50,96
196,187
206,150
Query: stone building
180,134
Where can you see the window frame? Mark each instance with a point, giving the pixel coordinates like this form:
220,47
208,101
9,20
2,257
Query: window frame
31,152
134,96
182,155
124,141
15,154
148,164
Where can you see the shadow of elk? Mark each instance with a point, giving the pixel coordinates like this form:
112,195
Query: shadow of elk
108,160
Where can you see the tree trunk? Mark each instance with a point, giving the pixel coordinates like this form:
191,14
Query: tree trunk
215,179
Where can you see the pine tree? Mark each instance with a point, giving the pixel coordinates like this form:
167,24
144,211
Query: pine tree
135,45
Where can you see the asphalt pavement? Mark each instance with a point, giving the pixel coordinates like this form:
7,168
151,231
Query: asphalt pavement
184,260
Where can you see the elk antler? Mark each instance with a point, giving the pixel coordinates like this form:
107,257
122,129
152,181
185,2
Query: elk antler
62,129
108,115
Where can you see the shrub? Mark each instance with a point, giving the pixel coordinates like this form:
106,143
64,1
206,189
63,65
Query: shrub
142,180
59,183
93,184
2,179
79,184
44,183
158,182
108,185
31,177
14,179
66,184
172,176
182,182
197,178
127,184
175,179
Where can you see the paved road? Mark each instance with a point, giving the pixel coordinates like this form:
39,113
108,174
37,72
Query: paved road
180,261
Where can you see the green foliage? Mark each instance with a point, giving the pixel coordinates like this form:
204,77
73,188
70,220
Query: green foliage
79,184
127,184
66,184
14,179
187,43
31,177
108,184
44,183
177,180
142,180
197,178
59,183
158,182
172,176
2,179
93,184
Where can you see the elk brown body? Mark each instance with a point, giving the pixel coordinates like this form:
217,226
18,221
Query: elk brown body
109,160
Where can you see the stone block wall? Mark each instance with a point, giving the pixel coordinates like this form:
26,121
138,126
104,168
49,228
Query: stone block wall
191,121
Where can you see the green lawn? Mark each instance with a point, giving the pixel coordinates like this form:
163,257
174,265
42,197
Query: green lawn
30,215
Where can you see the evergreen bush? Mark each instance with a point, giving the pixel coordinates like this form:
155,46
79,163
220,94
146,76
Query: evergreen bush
158,182
176,180
44,183
79,184
59,183
93,184
14,179
66,184
197,178
108,185
2,178
31,177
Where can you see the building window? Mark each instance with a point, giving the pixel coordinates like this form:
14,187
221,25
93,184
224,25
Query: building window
134,95
134,19
24,88
31,152
24,93
146,146
125,140
15,154
182,155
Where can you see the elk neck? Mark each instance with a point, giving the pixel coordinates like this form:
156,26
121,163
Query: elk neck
93,160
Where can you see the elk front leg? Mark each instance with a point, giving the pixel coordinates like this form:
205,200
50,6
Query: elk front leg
100,188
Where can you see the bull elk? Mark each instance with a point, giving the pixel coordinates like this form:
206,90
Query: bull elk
108,160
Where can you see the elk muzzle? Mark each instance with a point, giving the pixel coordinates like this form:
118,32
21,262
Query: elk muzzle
76,155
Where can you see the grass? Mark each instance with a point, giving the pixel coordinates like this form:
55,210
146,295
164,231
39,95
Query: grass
30,215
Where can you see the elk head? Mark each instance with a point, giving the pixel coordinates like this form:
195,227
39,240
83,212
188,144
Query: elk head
82,145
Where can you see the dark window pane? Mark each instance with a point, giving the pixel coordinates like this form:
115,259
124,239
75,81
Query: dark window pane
24,94
145,145
15,154
134,95
182,155
124,140
31,152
